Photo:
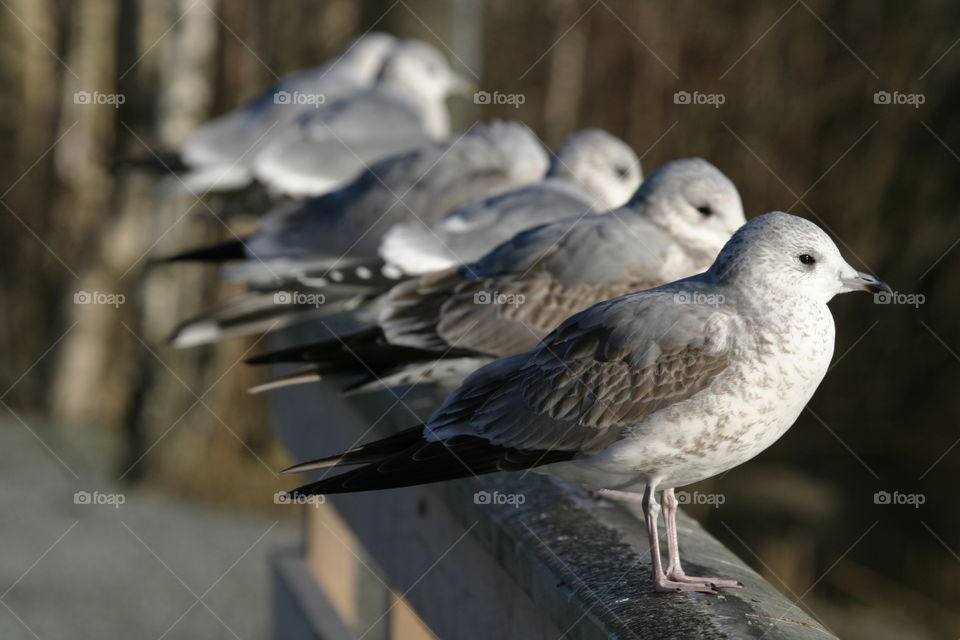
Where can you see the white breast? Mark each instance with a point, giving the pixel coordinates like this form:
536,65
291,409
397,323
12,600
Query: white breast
746,409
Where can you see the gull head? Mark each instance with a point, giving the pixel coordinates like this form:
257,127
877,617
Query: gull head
517,147
605,166
793,256
416,66
693,201
365,55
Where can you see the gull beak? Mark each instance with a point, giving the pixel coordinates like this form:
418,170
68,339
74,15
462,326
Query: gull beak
460,84
865,282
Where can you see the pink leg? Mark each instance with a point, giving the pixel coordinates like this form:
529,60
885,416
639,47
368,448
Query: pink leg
651,512
674,568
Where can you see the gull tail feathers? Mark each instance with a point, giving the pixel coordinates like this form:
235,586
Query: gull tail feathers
247,314
164,162
439,370
424,461
300,376
363,348
222,252
369,273
365,453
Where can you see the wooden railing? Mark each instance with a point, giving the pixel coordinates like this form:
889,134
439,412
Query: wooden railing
504,556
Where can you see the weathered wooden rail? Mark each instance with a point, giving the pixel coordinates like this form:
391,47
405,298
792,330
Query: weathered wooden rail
504,556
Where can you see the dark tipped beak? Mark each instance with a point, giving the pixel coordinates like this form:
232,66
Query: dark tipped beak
866,282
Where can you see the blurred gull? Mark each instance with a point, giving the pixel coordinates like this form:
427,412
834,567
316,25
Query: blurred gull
326,146
344,228
219,155
447,323
592,171
643,393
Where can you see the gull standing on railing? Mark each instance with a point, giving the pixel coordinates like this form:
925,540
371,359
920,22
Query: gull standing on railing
644,393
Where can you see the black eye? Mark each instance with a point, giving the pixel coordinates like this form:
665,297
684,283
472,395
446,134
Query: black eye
806,258
622,172
705,210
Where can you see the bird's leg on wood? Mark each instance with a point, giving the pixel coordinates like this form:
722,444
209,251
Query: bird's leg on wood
651,513
674,568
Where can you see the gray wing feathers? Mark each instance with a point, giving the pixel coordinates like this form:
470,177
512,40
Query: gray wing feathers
607,367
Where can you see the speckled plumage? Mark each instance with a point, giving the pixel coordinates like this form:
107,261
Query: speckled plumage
546,274
652,390
507,301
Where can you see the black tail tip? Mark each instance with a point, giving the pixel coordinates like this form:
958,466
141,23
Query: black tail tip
164,162
223,252
264,358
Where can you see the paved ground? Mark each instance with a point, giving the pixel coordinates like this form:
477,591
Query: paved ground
150,568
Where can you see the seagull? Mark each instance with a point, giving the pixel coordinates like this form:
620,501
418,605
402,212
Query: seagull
591,172
445,324
343,228
427,185
218,156
644,393
326,146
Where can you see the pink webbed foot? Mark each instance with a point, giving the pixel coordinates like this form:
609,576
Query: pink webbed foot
664,585
714,583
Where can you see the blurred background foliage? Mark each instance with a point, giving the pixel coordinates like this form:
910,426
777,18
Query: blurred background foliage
799,130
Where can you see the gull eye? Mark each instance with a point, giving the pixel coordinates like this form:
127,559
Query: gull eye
622,172
806,258
705,210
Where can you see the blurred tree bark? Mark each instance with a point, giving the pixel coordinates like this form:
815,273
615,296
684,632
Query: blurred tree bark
85,387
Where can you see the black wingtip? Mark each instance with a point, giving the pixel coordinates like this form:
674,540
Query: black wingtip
293,354
223,252
169,162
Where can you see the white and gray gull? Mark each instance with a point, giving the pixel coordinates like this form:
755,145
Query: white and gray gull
643,393
445,324
592,171
219,155
326,146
